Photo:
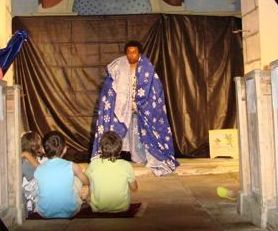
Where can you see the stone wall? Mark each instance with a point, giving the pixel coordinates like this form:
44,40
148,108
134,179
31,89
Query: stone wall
259,36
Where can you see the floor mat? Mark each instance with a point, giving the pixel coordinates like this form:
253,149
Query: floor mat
135,210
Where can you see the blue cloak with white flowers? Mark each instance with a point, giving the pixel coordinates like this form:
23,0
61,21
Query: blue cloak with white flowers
154,130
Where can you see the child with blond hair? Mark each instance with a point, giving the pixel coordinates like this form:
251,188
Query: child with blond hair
31,154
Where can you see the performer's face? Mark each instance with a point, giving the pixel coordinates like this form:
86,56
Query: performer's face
132,54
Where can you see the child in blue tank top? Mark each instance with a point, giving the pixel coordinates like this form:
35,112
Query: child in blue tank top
58,194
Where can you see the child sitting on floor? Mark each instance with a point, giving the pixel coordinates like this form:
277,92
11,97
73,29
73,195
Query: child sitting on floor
31,152
111,178
59,189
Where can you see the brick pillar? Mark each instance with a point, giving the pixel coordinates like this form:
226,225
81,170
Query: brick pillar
272,223
260,48
11,206
244,159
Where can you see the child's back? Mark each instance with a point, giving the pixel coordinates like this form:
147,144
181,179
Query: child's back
110,184
56,195
58,192
111,178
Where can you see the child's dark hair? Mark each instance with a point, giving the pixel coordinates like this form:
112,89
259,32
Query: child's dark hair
111,146
31,142
134,43
54,144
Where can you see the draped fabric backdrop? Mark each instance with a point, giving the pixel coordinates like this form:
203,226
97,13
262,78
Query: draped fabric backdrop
61,71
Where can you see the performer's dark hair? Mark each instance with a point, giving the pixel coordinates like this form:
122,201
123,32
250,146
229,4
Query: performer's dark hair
111,146
134,43
54,144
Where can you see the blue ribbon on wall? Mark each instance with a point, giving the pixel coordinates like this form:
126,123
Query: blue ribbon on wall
9,53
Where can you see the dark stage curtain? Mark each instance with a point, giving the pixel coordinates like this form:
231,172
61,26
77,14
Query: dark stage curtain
61,70
197,59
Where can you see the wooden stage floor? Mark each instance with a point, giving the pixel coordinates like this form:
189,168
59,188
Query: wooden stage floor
198,166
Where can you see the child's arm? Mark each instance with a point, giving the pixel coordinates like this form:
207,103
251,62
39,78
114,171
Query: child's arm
78,172
30,158
133,186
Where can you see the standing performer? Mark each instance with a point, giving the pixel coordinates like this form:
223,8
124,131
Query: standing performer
132,104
